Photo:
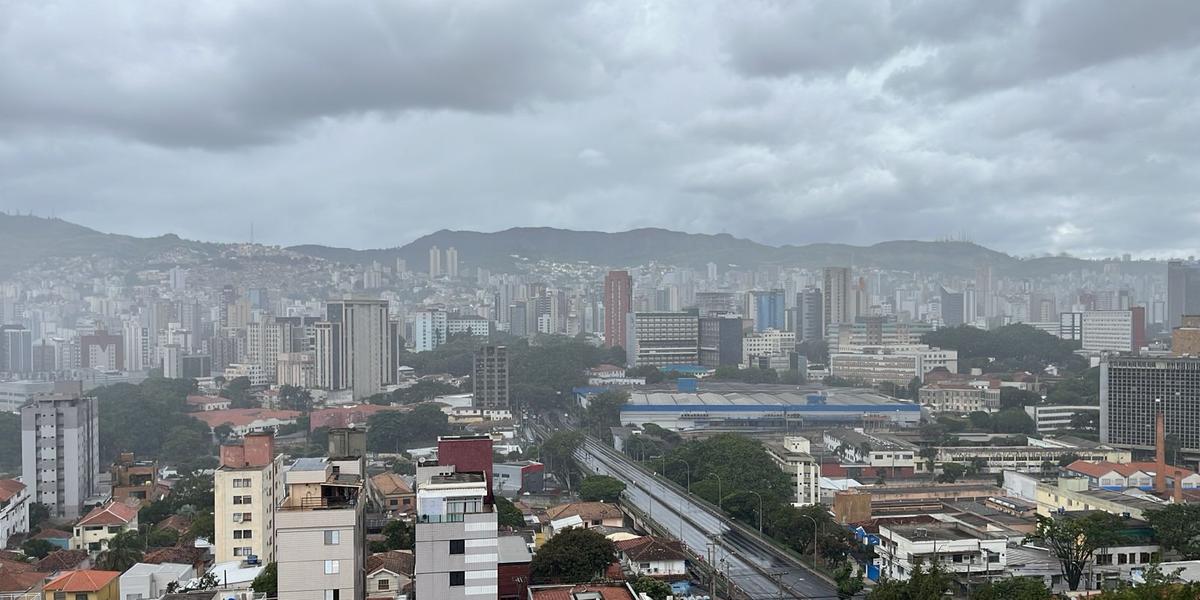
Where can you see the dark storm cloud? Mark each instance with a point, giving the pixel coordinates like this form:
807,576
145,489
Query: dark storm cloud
1038,126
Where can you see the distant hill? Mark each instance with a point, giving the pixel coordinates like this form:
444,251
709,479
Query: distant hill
25,241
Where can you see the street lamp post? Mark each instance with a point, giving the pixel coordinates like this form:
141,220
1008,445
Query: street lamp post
760,508
686,464
815,538
720,496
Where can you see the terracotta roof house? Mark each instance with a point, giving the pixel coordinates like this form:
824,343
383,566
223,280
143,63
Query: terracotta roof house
64,560
392,493
389,573
94,530
597,591
653,556
584,514
93,585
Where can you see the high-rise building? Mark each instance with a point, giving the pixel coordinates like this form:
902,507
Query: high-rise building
320,530
769,309
102,350
452,262
660,339
353,347
247,488
710,304
60,450
435,262
1114,330
16,349
985,300
518,325
953,307
490,378
1133,389
1183,291
618,302
808,321
430,328
720,341
838,296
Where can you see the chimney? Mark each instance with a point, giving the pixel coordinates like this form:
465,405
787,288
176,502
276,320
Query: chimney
1160,442
1177,497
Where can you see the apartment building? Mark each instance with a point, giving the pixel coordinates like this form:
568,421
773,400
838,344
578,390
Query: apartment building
662,338
60,450
958,549
247,487
794,457
14,510
456,538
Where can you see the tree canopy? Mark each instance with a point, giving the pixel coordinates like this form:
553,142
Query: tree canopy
393,431
654,588
1017,347
601,488
508,515
1073,540
1177,527
1013,588
143,418
923,584
575,555
10,442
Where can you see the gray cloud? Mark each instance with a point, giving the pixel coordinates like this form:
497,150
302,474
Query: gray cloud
1031,126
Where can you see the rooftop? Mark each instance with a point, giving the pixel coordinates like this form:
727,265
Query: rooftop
113,513
81,581
935,532
587,591
513,549
9,488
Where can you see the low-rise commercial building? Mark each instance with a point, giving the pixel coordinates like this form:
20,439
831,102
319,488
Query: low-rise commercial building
960,398
891,364
1024,459
1049,418
146,581
957,549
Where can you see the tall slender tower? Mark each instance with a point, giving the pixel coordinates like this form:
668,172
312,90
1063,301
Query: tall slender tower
452,262
618,302
435,262
838,299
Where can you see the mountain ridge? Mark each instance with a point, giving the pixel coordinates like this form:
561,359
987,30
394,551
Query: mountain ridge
25,241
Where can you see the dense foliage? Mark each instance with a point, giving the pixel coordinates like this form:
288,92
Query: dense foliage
267,581
654,588
151,420
1013,588
1011,348
575,556
10,442
923,584
1074,540
601,488
1177,527
393,431
508,515
419,392
557,453
604,411
1157,585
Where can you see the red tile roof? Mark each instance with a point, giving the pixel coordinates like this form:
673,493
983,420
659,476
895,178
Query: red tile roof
113,513
82,581
652,549
391,484
15,581
588,511
9,488
344,416
240,417
396,561
52,534
608,591
1100,468
62,560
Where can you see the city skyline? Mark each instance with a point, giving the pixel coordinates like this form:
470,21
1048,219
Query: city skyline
782,123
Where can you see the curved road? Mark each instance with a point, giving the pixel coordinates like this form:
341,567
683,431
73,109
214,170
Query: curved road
762,571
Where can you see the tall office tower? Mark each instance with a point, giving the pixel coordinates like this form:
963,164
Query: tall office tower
353,349
452,262
809,323
136,340
720,341
264,342
1183,291
952,307
838,297
660,339
320,527
517,324
712,271
490,378
247,486
401,266
45,357
16,349
430,328
985,295
435,262
618,302
769,310
1133,389
60,449
1114,330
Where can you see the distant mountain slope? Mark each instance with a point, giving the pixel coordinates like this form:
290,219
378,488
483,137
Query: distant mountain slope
25,241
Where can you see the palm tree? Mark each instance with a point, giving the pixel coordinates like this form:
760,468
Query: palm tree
124,551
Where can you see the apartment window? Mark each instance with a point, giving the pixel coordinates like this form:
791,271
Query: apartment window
81,597
332,537
243,551
241,483
458,578
60,596
385,584
331,594
332,567
242,499
457,546
242,534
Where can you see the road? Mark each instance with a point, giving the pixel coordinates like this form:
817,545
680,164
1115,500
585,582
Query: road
759,569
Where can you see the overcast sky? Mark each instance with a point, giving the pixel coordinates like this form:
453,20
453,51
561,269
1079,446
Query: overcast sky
1028,127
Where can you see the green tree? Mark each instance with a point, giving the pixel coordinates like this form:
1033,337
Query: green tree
558,452
38,514
604,411
202,526
1013,588
223,433
124,551
1013,420
184,445
37,548
951,472
574,555
1156,585
238,392
1011,397
1072,540
508,515
267,581
849,581
922,584
980,420
398,535
10,442
162,538
654,588
295,398
1177,527
601,488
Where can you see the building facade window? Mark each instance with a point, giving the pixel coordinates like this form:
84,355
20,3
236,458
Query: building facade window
332,567
458,578
332,537
457,546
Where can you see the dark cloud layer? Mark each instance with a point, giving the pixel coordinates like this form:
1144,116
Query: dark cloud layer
1047,126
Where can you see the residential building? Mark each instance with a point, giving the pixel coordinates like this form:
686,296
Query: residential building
1070,326
103,351
769,309
390,574
872,331
650,556
1114,330
146,581
245,421
960,398
895,364
770,342
512,568
585,515
102,524
296,369
14,510
134,479
808,321
794,457
208,403
60,451
1056,417
582,591
839,297
252,372
468,454
1133,390
958,549
953,307
429,329
84,585
660,339
392,494
353,347
489,379
720,341
320,528
451,268
16,349
435,262
456,537
247,487
618,302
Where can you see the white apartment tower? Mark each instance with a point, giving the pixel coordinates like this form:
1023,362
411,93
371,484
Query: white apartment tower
452,262
435,262
247,488
60,450
353,347
838,296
